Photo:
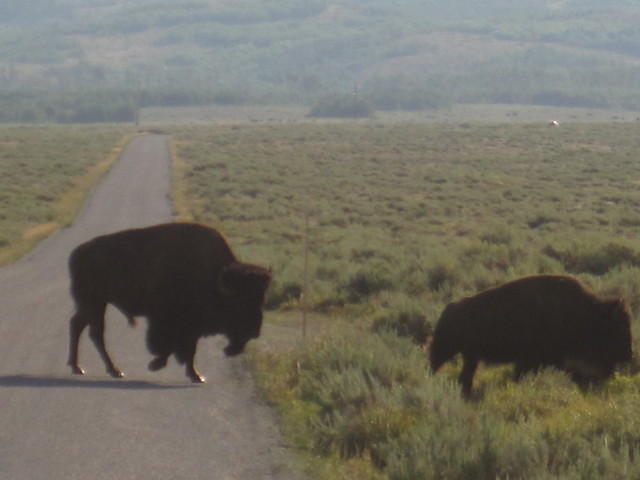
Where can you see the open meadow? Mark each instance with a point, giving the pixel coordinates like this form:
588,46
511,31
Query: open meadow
381,225
45,172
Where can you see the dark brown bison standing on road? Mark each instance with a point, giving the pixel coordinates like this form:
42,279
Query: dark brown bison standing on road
183,277
533,322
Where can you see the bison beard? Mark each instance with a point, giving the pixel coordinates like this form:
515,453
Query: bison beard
183,277
534,322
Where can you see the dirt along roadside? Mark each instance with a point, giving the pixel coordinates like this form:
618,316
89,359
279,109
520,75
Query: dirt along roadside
148,425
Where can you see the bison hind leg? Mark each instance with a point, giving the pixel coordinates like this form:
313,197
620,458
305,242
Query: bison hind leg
77,324
159,343
94,318
159,339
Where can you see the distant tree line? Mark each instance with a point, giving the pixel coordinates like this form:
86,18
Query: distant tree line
40,107
123,105
105,106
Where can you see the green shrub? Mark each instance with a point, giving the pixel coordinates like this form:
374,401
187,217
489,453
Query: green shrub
361,416
497,235
459,446
353,380
540,220
622,282
536,395
367,281
385,356
404,317
281,294
442,275
594,260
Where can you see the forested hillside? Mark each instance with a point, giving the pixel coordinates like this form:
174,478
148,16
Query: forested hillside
99,60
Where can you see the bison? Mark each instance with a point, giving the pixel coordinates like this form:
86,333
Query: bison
182,277
534,322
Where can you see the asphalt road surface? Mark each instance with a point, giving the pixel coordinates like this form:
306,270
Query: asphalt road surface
149,425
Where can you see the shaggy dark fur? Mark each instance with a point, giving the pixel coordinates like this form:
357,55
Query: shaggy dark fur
533,322
183,277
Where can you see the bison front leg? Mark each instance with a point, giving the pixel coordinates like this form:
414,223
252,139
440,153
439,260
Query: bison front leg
158,363
159,342
186,354
469,366
193,374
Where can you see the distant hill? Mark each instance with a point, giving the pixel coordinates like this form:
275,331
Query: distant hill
99,60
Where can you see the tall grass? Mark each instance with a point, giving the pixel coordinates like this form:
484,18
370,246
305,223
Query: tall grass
403,220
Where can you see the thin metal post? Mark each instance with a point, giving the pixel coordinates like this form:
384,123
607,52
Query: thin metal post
305,282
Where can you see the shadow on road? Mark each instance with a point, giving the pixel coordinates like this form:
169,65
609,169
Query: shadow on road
79,382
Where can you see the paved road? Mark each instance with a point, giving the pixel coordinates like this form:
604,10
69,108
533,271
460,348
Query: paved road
152,426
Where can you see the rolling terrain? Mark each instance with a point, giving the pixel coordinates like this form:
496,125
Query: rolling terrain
99,60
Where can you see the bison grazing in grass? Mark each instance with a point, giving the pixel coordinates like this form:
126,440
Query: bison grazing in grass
182,277
533,322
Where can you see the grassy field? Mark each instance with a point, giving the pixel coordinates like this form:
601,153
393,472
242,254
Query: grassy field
400,219
45,173
394,220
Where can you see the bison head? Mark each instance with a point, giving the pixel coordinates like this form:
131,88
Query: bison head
618,330
243,287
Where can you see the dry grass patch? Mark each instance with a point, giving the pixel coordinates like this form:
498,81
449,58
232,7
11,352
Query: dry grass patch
45,175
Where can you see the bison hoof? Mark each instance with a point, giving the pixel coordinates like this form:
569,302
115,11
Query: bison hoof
116,373
196,377
76,370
